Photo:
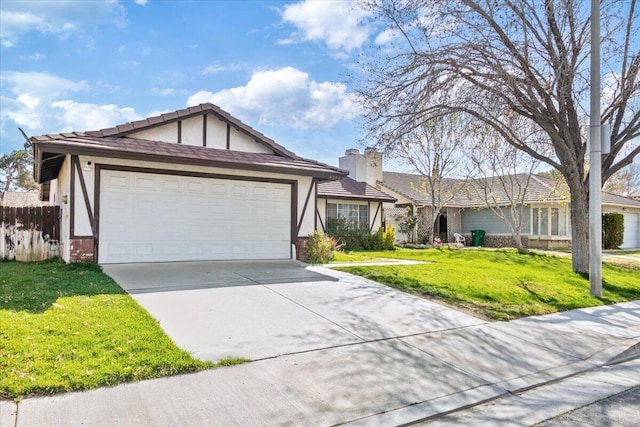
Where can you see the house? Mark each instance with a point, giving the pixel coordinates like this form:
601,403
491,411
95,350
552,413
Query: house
545,205
22,199
194,184
358,202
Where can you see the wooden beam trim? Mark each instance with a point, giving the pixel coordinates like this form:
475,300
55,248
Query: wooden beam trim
375,217
76,161
204,130
306,202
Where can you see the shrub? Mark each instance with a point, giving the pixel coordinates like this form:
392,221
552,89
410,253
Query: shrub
353,238
612,230
320,248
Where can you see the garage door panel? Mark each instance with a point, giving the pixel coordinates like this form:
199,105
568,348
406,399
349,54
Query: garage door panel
631,236
149,217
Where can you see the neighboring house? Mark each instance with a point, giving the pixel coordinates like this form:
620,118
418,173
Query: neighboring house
545,205
195,184
21,199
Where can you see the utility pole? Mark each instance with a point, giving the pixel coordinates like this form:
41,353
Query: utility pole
595,160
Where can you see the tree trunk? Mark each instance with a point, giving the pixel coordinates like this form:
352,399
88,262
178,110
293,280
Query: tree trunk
579,227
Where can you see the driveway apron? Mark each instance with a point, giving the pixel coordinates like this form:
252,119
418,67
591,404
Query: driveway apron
263,309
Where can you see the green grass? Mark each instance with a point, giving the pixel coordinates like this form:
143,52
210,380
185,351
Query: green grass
70,327
500,284
340,256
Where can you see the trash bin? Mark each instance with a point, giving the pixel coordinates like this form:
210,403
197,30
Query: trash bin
477,237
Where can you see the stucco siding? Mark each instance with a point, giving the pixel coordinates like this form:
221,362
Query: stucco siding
191,131
165,133
242,142
62,190
216,133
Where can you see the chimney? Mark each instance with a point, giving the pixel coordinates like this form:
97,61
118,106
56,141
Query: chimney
373,161
365,167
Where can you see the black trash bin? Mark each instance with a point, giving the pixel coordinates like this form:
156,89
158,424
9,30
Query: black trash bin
477,237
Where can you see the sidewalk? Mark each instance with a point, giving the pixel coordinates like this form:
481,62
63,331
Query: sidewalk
550,360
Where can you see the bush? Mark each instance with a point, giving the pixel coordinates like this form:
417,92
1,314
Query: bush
320,248
612,230
353,238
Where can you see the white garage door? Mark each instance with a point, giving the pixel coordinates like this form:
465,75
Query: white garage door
631,237
152,217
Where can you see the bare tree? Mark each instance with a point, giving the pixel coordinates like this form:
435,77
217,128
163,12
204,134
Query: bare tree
491,59
625,182
502,180
434,151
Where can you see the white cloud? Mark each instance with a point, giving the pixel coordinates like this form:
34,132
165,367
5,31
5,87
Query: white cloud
166,91
386,36
286,97
339,24
60,18
42,103
80,116
141,2
213,69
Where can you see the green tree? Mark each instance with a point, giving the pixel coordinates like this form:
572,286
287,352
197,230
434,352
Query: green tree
16,173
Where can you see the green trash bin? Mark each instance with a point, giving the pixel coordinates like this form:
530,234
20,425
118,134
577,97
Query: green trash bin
477,237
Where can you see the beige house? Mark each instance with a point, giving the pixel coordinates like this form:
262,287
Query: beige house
195,184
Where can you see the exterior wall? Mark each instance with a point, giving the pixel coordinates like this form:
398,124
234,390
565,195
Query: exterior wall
81,250
373,207
485,219
82,226
191,133
216,132
239,141
60,196
454,223
165,133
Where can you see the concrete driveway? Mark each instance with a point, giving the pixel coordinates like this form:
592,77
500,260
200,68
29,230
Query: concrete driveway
263,309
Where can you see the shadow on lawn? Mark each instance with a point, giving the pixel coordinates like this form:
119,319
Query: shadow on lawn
35,286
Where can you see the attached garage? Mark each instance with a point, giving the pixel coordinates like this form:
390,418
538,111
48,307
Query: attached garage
145,217
631,237
196,184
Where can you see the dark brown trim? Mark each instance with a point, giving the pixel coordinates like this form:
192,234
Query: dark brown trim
318,217
75,161
355,199
100,167
72,199
306,203
179,131
114,154
294,212
96,209
315,203
375,216
204,130
228,136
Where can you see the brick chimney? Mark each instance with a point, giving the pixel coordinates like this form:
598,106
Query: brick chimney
365,167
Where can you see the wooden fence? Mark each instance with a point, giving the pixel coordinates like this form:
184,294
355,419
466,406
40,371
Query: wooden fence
30,233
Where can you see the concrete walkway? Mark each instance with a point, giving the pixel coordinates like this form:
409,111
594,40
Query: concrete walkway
384,377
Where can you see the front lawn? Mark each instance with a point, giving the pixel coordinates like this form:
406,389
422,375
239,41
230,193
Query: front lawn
70,327
499,284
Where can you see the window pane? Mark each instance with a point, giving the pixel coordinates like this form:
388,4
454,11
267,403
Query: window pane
363,220
332,211
544,221
554,221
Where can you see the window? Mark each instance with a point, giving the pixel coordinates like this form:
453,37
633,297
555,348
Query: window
354,216
548,222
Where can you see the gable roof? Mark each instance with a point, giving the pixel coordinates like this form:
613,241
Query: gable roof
617,200
51,149
348,188
467,193
198,110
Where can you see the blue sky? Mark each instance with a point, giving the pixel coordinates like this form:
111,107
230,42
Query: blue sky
282,67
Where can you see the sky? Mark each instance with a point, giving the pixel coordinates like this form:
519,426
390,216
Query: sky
283,67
